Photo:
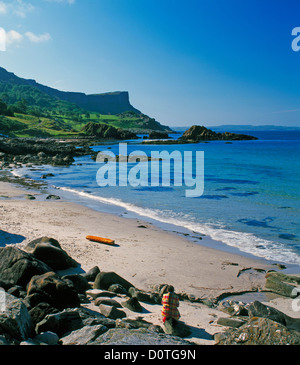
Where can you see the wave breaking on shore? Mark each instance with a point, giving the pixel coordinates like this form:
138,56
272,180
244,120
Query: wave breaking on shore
245,242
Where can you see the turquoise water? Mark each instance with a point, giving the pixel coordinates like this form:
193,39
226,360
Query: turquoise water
251,198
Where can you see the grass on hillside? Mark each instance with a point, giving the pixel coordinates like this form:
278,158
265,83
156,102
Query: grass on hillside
61,125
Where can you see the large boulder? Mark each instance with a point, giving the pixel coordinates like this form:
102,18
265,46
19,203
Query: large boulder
141,336
31,245
84,336
73,319
79,282
139,322
107,301
259,331
133,304
40,311
95,293
49,251
142,296
91,274
15,320
91,318
54,290
48,338
283,284
257,309
18,267
105,279
111,311
60,323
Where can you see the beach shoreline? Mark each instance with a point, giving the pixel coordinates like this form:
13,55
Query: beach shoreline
166,250
91,202
144,254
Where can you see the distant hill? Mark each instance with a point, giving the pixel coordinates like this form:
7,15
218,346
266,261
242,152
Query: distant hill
106,103
248,127
28,108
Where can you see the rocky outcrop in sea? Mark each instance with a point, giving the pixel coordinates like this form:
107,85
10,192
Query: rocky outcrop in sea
198,133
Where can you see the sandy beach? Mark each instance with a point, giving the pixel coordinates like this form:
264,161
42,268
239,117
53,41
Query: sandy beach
144,255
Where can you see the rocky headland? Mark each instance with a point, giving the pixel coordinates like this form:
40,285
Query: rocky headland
200,133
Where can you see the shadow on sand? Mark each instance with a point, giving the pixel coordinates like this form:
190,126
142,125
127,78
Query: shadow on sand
200,333
9,238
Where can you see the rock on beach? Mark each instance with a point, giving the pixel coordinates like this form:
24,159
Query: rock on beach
45,307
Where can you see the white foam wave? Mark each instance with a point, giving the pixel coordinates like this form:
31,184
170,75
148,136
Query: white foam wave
16,173
245,242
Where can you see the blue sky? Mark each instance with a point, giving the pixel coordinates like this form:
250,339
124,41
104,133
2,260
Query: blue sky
183,62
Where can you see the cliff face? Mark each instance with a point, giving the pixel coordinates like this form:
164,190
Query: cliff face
107,103
114,103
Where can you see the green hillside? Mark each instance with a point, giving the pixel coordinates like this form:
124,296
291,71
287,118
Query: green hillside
29,109
70,124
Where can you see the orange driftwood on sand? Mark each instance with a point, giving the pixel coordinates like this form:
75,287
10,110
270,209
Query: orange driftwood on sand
108,241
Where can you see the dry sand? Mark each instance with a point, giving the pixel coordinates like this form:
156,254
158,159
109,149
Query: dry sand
143,256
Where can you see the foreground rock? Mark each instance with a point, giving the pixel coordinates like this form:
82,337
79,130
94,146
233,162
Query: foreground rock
141,336
49,307
53,290
133,304
48,310
259,331
60,323
258,309
105,279
265,326
138,323
111,311
18,267
85,335
40,310
15,320
50,252
282,284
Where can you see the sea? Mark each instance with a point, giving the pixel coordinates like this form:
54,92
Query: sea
250,203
